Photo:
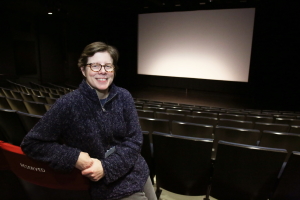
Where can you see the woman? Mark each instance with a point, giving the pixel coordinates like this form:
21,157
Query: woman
100,130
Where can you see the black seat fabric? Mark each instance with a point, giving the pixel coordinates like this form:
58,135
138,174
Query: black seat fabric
231,116
145,113
3,103
271,127
170,116
245,172
290,121
185,172
178,111
28,120
295,129
27,97
17,104
288,141
152,124
258,118
205,114
288,186
202,120
236,135
235,123
192,129
35,108
39,99
11,126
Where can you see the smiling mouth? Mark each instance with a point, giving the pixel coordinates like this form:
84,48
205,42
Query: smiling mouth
101,79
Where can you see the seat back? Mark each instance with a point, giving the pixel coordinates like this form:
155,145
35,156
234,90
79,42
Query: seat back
27,97
271,127
16,94
258,118
17,104
288,186
231,116
295,129
184,170
205,114
202,120
145,113
170,116
35,108
28,120
10,185
236,135
40,173
178,111
235,123
245,171
3,162
11,126
39,99
50,100
192,129
289,121
288,141
3,103
152,124
7,93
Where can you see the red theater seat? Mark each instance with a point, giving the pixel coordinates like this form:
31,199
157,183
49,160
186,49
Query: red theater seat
40,173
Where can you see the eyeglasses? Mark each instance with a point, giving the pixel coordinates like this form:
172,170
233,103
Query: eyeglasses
96,67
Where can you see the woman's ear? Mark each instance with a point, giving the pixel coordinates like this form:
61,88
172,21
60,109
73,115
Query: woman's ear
83,71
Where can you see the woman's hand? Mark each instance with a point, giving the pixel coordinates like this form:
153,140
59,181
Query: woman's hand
84,161
95,172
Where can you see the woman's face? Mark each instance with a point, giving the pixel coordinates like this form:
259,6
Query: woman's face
99,80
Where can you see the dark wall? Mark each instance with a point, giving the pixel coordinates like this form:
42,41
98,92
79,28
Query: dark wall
58,41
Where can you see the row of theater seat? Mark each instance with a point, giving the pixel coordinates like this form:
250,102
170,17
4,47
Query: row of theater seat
31,107
142,103
151,112
49,98
183,165
38,88
266,138
164,122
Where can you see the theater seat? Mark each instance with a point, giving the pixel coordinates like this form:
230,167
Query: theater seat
11,187
3,162
40,173
182,164
288,186
245,172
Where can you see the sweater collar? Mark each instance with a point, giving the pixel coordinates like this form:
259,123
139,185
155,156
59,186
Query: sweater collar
91,93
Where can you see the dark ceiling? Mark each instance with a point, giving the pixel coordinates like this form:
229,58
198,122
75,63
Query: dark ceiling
80,7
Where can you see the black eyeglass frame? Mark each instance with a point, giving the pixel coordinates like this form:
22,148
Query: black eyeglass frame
90,65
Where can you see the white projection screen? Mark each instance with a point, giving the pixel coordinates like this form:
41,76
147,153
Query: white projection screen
204,44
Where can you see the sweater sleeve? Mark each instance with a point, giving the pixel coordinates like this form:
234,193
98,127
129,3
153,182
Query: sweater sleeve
127,152
42,142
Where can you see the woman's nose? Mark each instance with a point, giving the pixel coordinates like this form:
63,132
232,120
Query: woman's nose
102,70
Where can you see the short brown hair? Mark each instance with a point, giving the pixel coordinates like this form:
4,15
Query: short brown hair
95,47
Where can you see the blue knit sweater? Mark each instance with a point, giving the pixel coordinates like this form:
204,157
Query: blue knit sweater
83,124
